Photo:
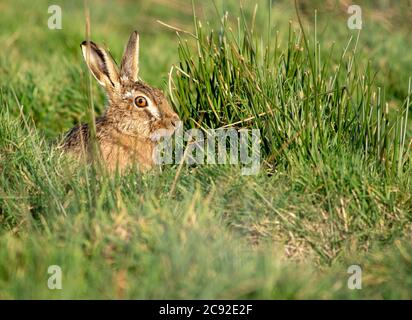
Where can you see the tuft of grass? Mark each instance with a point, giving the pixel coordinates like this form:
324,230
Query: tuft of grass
304,103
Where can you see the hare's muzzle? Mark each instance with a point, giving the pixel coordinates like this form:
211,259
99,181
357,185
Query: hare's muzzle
175,122
166,128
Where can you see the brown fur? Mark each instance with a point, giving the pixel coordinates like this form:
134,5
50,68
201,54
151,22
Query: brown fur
125,133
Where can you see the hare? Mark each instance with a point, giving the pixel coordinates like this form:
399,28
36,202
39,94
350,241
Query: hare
127,132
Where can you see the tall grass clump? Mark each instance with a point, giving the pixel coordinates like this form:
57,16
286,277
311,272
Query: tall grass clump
306,100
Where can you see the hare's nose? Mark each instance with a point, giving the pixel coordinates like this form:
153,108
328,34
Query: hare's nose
175,121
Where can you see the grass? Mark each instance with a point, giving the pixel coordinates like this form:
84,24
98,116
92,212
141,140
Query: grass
334,188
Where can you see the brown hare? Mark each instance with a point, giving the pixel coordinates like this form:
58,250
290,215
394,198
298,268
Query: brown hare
128,131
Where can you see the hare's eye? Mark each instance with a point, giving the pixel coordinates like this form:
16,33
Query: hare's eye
140,102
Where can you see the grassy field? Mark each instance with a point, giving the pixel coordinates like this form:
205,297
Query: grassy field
335,185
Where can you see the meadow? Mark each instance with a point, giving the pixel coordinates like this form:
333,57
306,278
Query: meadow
335,184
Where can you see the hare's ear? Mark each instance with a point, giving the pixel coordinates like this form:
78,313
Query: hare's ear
101,64
129,67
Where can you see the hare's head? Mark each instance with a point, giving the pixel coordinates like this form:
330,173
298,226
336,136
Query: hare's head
134,107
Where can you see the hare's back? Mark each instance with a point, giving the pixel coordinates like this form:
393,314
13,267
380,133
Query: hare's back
77,138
